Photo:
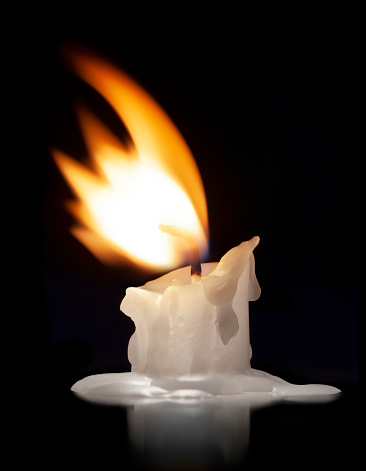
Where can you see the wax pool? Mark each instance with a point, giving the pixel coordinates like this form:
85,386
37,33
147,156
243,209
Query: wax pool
192,337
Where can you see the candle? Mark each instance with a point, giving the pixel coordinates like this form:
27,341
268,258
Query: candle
192,324
192,340
202,327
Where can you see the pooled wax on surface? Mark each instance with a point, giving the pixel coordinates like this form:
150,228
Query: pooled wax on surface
192,338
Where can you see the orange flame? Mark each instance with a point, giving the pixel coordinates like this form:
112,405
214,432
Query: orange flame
134,189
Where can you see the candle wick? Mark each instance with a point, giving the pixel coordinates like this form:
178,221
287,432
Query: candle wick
196,270
195,259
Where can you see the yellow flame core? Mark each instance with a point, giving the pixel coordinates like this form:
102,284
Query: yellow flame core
133,190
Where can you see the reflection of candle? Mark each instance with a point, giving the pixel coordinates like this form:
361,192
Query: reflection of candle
195,328
168,434
183,328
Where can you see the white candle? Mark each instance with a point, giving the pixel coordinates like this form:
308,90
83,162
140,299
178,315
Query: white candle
185,328
192,340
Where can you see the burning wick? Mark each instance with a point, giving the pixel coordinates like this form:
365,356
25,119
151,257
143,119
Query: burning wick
176,231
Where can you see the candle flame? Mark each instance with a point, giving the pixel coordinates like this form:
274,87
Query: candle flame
129,190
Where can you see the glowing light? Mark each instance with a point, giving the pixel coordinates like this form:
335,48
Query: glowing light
129,191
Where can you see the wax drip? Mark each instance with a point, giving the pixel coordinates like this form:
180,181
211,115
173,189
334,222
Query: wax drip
195,259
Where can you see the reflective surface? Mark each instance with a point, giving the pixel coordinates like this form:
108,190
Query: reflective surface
199,433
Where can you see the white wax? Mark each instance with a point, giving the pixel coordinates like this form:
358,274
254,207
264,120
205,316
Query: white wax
192,340
185,328
255,386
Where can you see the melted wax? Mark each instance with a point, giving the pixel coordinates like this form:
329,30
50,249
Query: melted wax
192,339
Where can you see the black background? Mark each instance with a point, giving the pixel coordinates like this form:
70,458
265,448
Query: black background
265,95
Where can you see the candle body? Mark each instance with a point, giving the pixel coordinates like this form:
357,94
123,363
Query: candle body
185,328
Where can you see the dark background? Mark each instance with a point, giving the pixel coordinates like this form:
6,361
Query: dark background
265,95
